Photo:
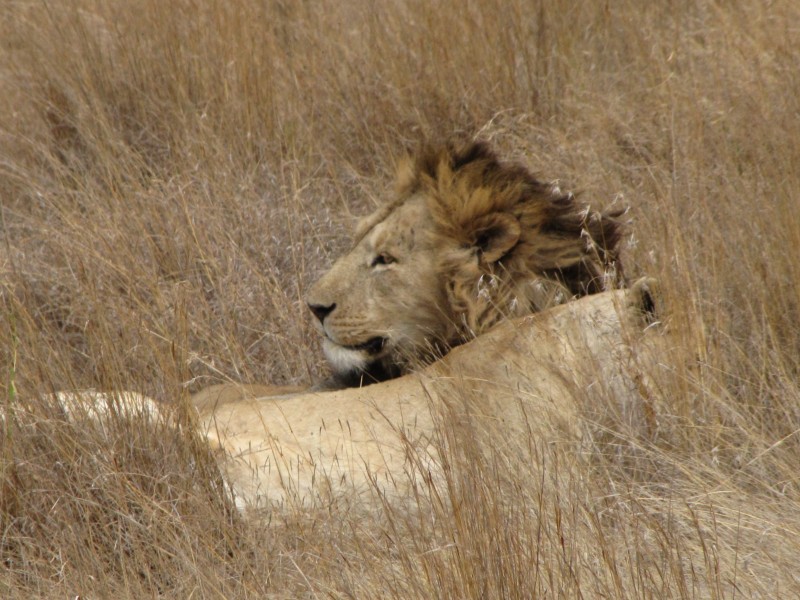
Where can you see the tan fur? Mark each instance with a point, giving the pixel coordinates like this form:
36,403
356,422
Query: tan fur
519,380
211,398
465,242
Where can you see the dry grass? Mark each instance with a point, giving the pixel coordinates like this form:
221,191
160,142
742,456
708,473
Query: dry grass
172,177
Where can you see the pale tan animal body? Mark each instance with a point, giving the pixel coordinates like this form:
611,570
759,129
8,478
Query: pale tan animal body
521,378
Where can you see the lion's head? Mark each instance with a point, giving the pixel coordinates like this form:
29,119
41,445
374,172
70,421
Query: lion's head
465,241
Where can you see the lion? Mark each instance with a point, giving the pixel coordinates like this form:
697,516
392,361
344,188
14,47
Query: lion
465,242
457,288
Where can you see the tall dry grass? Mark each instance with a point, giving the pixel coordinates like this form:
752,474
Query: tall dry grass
173,176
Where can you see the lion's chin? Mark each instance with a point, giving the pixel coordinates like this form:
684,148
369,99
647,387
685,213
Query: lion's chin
345,359
362,364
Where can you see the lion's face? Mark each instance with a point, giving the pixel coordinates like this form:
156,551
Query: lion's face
384,303
464,242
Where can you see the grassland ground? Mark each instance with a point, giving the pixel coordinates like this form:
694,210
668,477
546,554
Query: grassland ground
173,176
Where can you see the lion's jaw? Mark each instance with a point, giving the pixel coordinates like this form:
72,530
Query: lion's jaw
384,305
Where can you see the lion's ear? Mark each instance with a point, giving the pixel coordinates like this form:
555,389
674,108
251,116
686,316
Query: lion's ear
405,175
495,235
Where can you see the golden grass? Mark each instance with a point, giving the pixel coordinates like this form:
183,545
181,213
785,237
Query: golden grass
174,175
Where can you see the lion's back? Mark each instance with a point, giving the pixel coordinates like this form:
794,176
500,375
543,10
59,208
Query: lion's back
207,400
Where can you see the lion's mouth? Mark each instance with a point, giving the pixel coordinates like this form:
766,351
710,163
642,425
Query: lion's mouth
371,346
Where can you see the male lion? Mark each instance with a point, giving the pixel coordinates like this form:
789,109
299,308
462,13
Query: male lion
466,241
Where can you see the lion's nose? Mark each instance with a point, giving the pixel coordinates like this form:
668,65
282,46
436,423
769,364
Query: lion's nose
321,311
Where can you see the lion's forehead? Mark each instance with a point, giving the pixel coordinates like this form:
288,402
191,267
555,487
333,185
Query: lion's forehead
407,225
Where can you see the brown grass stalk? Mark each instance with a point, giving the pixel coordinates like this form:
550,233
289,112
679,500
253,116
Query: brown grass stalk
174,175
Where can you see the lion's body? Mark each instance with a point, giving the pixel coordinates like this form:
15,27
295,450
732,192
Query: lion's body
524,376
465,242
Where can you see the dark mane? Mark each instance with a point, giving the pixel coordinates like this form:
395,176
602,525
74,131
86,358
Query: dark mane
561,239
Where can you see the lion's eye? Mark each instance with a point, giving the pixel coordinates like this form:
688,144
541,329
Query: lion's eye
383,259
